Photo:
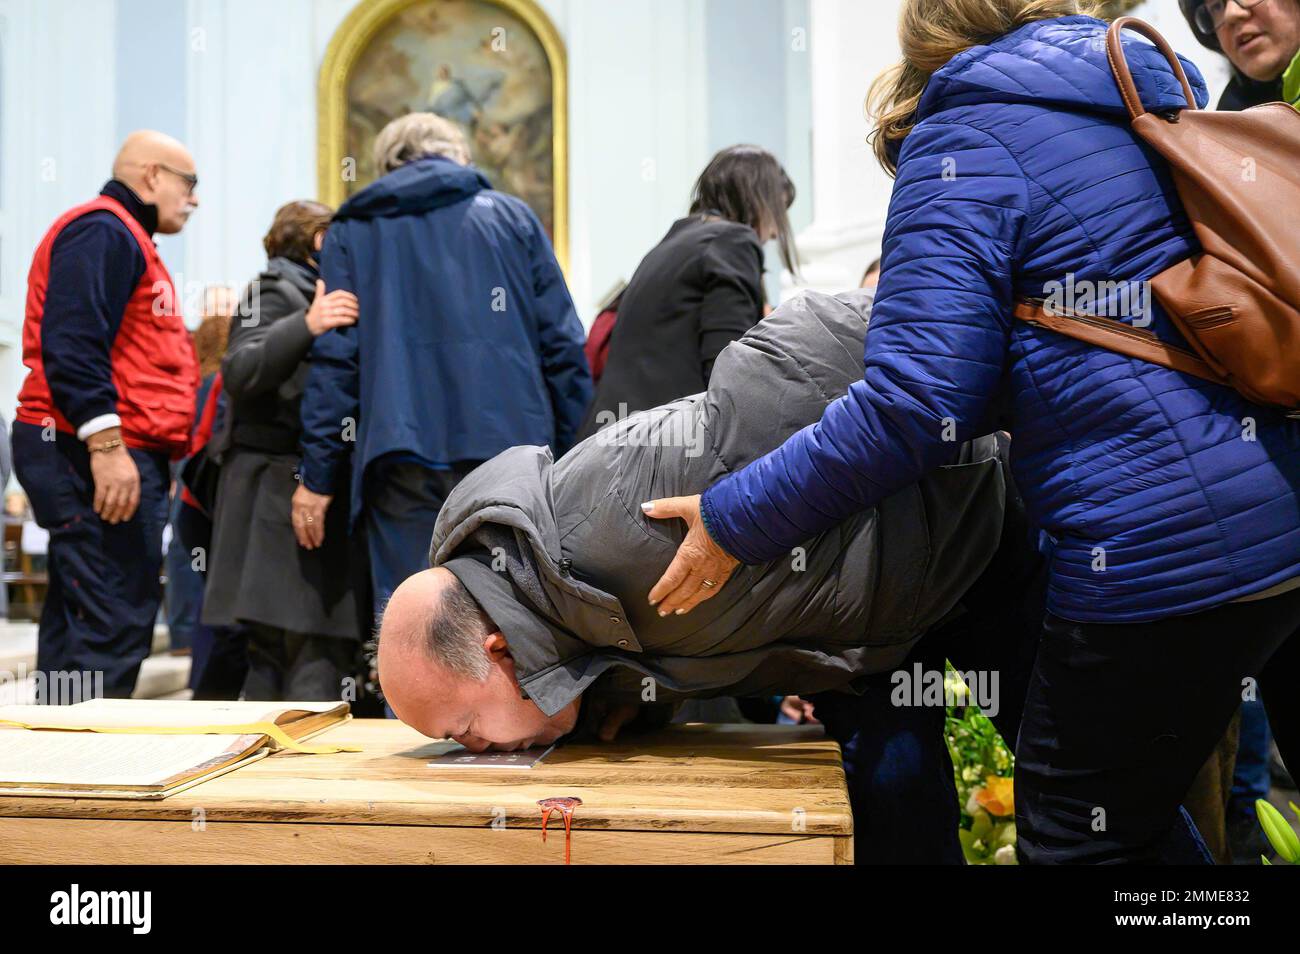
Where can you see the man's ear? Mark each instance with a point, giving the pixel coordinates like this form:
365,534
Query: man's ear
497,647
148,181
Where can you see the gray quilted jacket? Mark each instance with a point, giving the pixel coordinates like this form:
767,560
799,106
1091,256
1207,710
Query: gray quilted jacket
561,557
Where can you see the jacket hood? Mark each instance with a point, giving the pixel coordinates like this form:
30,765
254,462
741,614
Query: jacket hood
419,186
1057,63
302,276
498,534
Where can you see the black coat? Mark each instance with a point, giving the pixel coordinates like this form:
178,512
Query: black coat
697,291
1242,92
256,571
265,368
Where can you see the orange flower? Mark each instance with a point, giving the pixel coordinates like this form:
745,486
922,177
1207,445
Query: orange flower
996,796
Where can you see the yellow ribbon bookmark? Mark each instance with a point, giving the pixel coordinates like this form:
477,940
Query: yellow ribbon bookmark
282,738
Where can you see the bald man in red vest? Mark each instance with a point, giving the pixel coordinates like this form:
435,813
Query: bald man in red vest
106,405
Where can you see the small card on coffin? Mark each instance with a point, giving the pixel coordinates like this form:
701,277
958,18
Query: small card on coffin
457,756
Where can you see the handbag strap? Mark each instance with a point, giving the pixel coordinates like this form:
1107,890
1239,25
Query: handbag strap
1140,343
1124,76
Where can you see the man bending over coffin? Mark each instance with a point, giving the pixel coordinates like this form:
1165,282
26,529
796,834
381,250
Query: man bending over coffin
540,568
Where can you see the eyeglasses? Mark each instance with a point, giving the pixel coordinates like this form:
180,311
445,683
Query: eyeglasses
1211,14
190,178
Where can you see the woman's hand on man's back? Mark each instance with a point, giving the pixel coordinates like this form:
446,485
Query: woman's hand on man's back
329,310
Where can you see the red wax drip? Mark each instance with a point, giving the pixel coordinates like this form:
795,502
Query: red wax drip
564,804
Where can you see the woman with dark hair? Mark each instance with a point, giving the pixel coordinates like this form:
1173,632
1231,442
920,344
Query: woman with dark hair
699,289
297,604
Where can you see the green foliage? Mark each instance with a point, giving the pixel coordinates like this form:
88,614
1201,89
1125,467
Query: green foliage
981,761
1279,831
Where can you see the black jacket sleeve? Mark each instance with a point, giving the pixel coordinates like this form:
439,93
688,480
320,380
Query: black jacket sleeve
95,266
733,292
268,340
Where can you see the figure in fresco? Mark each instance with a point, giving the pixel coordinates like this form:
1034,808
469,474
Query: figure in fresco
463,99
477,64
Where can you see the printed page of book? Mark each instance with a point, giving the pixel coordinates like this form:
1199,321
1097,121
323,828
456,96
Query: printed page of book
98,760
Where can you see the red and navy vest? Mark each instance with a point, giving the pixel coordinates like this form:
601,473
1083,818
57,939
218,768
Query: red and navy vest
155,369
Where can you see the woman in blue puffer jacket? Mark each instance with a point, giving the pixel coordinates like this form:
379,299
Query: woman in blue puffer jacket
1171,506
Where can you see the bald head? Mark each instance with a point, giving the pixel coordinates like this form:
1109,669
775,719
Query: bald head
431,638
446,669
145,146
161,172
432,614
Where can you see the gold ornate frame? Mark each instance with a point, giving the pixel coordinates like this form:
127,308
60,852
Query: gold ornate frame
355,33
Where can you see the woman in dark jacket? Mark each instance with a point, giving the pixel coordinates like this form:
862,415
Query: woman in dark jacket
699,289
298,603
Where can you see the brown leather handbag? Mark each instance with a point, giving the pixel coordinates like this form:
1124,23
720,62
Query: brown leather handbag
1238,302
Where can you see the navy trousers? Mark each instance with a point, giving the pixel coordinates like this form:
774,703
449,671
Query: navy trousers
183,596
401,504
898,770
104,589
1251,778
896,761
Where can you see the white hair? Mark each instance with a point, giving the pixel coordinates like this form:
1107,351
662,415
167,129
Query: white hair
416,135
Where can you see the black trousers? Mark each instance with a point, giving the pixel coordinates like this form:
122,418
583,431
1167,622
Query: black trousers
297,666
1119,718
104,588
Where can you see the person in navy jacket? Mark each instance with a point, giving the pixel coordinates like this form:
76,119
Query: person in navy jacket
107,403
1169,506
467,343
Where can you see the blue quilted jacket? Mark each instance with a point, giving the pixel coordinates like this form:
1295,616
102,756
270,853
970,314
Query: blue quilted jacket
1158,493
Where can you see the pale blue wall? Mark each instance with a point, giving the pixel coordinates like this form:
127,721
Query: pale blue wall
57,136
150,84
746,75
758,92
